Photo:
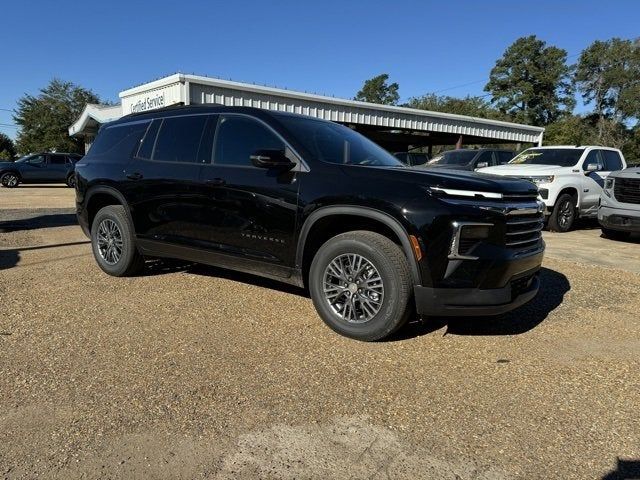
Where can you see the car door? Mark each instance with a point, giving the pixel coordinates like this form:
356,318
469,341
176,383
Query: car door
251,211
32,170
592,182
56,170
164,190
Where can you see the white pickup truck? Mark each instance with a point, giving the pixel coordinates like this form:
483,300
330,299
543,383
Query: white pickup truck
569,178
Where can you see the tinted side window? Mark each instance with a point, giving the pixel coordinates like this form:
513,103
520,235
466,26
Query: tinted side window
57,159
504,157
612,161
179,139
239,137
149,140
593,157
484,157
118,140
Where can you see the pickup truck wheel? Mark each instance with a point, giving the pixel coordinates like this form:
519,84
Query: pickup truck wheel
564,214
615,234
10,179
113,242
361,286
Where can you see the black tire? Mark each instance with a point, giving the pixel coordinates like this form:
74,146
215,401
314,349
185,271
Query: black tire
564,214
384,258
129,262
71,180
10,179
614,234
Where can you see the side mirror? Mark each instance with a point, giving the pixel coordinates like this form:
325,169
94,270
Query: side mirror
271,159
591,167
482,164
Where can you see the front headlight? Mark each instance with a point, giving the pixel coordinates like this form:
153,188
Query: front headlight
540,180
608,186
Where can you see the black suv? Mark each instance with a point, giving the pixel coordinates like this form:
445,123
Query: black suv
39,168
314,204
470,159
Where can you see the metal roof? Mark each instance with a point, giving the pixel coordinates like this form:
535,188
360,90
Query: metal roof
194,89
199,89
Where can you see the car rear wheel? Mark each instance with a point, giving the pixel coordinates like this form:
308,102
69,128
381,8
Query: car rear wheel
113,242
10,179
615,234
564,214
71,180
361,286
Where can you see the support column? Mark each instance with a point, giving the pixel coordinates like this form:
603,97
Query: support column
430,151
459,143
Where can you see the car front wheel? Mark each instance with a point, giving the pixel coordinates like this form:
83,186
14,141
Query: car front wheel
113,242
361,285
563,215
10,179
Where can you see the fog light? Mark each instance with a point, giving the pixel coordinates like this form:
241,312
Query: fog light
544,193
464,236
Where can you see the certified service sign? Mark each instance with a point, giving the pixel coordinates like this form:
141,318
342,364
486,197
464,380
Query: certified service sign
152,99
148,103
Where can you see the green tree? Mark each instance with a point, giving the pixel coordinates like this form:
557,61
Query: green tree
377,90
608,77
570,130
470,106
7,148
44,119
532,82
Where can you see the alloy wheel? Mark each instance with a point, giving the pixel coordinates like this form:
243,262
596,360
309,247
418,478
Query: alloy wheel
9,180
353,288
110,243
565,217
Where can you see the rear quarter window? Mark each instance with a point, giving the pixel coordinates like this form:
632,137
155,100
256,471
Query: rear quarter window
612,161
118,141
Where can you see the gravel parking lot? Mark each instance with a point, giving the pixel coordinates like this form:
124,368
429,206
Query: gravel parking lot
196,372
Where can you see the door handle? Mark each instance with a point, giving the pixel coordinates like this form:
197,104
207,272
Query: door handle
215,182
134,176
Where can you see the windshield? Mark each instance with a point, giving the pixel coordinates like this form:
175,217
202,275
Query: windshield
335,143
25,158
563,157
454,157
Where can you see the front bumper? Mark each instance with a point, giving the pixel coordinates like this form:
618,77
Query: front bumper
621,219
475,301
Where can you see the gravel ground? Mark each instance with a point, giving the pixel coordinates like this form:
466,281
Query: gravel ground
192,372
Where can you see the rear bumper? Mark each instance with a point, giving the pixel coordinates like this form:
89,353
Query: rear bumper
475,301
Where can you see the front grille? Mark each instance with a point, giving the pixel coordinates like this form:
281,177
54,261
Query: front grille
524,231
627,190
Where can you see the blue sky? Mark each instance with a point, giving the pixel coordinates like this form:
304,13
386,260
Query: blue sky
328,47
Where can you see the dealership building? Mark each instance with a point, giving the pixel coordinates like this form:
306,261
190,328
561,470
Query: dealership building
395,128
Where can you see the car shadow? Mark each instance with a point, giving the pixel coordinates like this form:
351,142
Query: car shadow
40,221
625,470
37,185
165,266
553,286
10,257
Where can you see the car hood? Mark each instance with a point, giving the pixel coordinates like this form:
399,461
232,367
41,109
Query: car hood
633,172
448,167
516,169
445,178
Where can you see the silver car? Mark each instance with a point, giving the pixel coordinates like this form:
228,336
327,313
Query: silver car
619,210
